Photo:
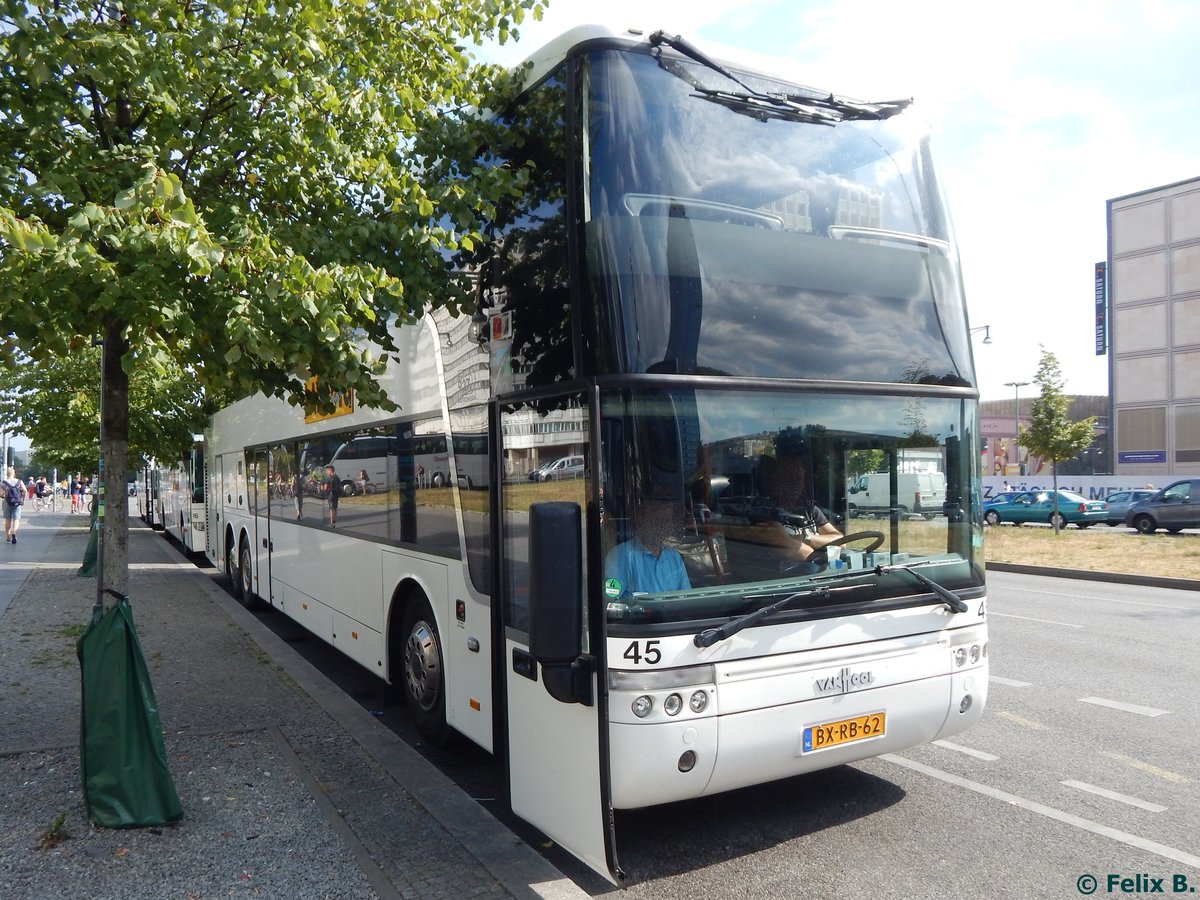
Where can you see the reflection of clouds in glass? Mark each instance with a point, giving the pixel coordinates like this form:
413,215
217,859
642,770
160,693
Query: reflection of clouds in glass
786,332
788,304
707,151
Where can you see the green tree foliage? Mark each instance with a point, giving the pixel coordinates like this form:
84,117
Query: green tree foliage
1051,433
55,402
240,189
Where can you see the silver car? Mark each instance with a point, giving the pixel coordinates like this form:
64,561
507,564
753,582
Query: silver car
1175,507
1119,503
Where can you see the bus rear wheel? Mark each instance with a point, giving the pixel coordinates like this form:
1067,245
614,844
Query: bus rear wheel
246,594
231,569
424,674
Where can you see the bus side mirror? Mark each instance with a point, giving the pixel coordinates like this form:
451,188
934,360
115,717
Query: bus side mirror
556,600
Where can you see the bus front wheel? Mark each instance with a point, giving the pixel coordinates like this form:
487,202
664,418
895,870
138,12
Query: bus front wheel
424,675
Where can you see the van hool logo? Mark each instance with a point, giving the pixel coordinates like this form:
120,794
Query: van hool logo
844,681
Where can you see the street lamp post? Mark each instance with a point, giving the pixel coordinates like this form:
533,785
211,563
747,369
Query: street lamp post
1016,386
987,333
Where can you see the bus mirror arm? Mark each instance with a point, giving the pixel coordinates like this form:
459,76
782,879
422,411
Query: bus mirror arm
556,601
569,682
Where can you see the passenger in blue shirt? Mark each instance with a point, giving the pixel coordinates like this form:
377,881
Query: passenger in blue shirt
644,564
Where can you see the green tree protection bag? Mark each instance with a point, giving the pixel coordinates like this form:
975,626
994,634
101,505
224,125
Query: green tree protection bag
123,761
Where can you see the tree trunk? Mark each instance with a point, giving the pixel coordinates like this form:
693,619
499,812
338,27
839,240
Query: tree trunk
1054,473
114,453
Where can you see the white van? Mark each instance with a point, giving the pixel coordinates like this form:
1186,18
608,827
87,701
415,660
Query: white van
562,468
918,493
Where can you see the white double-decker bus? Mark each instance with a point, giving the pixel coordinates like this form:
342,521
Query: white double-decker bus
733,296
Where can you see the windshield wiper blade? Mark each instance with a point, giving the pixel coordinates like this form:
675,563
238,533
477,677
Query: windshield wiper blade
828,109
710,636
952,599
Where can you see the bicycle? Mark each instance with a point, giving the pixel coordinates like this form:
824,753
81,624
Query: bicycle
40,502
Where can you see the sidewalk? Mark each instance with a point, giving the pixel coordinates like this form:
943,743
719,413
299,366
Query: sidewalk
289,788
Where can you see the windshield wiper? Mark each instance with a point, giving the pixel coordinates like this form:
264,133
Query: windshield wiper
710,636
829,109
952,599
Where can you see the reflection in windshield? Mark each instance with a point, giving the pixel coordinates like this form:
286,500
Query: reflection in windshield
718,244
713,500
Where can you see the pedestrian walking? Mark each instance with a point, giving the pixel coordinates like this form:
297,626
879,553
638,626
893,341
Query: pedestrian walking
76,490
14,499
332,487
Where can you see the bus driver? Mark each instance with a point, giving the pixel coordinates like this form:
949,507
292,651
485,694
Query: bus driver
644,563
799,525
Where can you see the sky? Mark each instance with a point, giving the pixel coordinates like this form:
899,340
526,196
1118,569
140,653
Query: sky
1041,113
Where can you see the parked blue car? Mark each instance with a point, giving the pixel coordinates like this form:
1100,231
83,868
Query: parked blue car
1038,506
1119,503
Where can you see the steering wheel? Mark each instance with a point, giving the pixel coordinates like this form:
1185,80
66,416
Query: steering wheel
818,559
876,536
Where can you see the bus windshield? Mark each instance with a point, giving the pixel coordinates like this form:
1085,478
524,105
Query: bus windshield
720,244
717,500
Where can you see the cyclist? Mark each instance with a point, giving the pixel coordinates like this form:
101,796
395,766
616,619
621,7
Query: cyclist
41,493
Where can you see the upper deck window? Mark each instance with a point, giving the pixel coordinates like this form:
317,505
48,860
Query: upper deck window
717,243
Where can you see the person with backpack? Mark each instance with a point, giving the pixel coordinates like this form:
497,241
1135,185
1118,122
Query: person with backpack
14,499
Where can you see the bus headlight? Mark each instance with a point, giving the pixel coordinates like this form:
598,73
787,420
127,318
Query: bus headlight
975,653
699,701
642,706
960,656
673,704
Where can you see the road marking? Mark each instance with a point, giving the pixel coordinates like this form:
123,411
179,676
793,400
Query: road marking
1062,594
1031,619
959,748
1148,711
1008,681
1021,720
1113,795
1124,837
1165,774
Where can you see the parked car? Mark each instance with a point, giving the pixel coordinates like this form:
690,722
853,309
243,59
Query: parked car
563,467
1175,507
1001,497
1119,503
1038,506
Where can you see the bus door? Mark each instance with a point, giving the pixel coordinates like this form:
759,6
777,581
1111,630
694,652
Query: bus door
555,711
258,483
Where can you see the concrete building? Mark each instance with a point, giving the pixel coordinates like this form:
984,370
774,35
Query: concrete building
1154,328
